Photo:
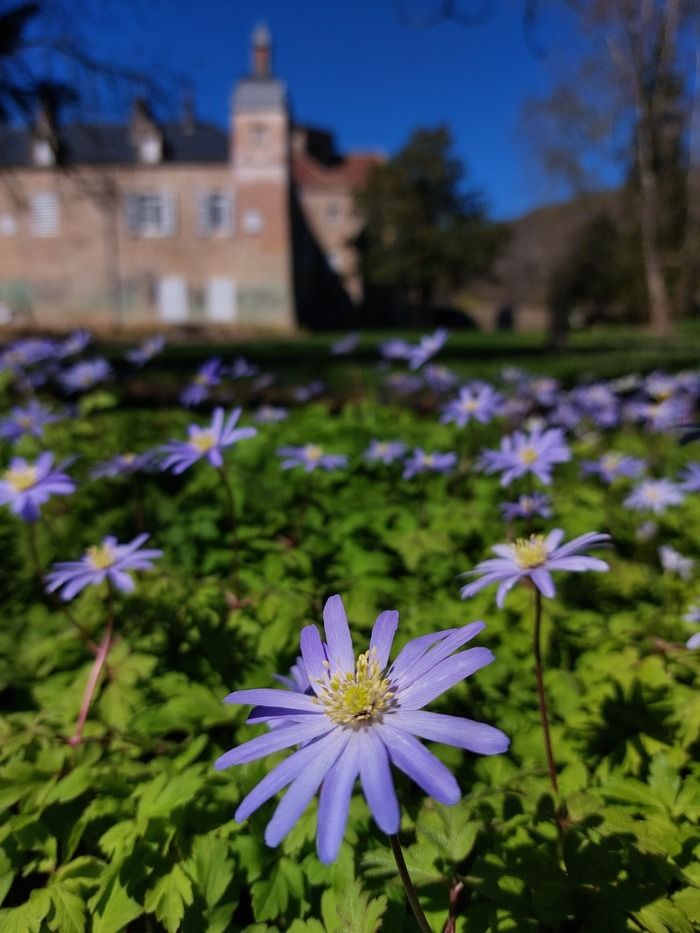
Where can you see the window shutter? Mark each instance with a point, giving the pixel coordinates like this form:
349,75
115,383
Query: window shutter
169,209
227,211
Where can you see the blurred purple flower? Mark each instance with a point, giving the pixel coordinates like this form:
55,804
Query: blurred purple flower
124,465
345,344
384,451
27,486
439,378
427,347
690,478
146,350
74,343
28,420
311,457
242,369
395,350
198,391
306,393
537,453
613,465
421,462
362,716
85,375
106,561
269,414
206,442
527,507
479,403
534,558
673,561
654,495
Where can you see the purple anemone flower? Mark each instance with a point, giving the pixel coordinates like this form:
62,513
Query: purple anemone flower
124,465
269,414
527,507
26,486
427,347
439,378
242,369
206,442
693,615
673,561
74,343
28,420
362,717
690,478
534,557
306,393
83,376
434,462
198,391
345,344
107,561
477,403
146,350
311,457
537,452
654,495
395,349
27,352
614,465
384,451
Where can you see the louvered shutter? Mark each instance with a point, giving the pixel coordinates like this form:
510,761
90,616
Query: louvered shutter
169,209
203,226
131,211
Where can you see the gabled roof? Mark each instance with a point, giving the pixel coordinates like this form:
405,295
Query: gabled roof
110,144
352,171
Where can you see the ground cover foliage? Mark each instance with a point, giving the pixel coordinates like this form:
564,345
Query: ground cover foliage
133,829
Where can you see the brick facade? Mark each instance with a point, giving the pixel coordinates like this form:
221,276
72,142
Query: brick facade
147,224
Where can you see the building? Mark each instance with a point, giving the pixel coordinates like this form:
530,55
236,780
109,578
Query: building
182,223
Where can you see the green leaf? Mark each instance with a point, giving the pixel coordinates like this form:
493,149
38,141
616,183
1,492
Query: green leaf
169,897
211,867
163,795
664,780
68,909
271,895
7,875
27,918
118,911
663,916
448,828
352,911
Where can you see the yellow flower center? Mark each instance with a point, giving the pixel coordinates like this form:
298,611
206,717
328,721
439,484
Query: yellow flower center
381,450
24,421
128,458
528,455
203,441
21,478
530,552
313,452
429,460
101,556
469,404
358,698
611,461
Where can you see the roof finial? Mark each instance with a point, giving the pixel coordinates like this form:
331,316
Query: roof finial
261,46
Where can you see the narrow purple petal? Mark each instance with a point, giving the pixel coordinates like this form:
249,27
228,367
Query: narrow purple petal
280,699
413,650
429,773
314,655
334,801
382,638
335,622
473,736
505,587
443,676
294,734
305,785
543,581
285,772
378,785
438,652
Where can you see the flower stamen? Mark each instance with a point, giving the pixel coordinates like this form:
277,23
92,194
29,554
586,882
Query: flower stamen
357,698
530,552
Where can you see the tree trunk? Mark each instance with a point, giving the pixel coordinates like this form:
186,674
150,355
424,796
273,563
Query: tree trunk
659,302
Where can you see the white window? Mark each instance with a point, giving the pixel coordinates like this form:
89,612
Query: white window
221,300
43,153
215,213
335,261
44,214
252,220
150,150
8,225
172,299
151,215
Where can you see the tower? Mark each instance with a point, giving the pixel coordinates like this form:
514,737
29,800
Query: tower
260,162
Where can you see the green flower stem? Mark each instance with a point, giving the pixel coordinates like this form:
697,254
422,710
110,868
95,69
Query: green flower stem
233,525
408,885
540,694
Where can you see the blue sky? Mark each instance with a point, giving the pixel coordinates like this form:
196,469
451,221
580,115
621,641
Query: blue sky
352,66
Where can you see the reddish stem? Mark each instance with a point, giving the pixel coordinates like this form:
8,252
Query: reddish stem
97,666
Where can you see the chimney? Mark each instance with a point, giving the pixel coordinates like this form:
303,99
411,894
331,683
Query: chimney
261,52
144,134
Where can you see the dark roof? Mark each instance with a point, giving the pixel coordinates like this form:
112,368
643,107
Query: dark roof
110,144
